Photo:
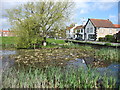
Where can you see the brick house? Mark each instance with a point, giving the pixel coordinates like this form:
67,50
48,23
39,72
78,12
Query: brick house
6,33
117,26
96,28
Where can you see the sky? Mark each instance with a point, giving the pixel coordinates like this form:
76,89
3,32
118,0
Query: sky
100,9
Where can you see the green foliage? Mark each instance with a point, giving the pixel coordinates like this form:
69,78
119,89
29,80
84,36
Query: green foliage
109,38
118,36
101,39
108,44
108,54
55,77
7,40
35,20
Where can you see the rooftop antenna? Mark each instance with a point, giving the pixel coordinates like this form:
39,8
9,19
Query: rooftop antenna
83,20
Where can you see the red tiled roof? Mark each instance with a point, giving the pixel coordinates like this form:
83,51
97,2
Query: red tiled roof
102,23
78,27
4,31
117,25
69,28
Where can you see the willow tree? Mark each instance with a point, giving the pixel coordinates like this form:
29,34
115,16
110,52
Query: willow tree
35,20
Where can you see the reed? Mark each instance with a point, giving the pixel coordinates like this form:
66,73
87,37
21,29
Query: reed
55,77
108,54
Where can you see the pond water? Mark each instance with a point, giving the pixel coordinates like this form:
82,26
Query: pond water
111,69
5,60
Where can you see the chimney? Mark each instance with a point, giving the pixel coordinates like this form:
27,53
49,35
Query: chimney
76,25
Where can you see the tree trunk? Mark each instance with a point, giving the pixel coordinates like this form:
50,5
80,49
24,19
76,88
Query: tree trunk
44,43
34,46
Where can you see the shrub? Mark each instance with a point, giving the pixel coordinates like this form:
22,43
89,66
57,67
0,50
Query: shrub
109,38
118,37
101,39
108,44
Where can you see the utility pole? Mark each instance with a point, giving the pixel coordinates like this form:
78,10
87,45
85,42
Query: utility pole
2,33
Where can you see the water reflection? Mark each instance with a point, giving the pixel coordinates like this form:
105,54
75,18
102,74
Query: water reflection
111,69
6,61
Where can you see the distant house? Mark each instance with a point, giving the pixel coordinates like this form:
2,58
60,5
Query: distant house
96,28
117,26
70,32
79,32
6,33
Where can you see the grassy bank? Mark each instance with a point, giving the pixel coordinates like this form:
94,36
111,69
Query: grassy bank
55,41
55,77
108,54
7,40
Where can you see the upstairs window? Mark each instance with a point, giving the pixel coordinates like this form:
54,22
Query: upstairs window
78,31
91,30
110,31
87,30
81,30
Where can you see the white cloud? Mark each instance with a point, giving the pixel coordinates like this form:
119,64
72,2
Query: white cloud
96,0
103,5
4,24
85,7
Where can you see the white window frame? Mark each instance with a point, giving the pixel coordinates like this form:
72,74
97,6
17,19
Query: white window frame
110,31
87,30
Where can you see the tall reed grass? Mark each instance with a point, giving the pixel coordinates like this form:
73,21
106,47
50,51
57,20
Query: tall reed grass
55,77
108,54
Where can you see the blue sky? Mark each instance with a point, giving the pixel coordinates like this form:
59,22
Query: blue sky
98,10
82,11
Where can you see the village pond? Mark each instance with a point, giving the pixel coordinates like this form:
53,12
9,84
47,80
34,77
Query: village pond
60,57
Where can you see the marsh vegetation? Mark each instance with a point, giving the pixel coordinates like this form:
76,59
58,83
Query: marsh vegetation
48,67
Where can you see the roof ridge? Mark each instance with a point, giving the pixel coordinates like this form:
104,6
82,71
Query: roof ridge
99,19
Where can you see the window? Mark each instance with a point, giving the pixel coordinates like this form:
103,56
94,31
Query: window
91,36
91,30
69,31
87,30
102,31
110,31
78,31
81,30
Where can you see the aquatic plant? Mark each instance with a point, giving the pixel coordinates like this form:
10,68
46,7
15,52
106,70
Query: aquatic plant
108,54
55,77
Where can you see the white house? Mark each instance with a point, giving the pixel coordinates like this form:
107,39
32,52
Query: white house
79,32
96,28
70,32
117,26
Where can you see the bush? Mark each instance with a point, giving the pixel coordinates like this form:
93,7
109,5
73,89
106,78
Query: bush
109,38
108,44
101,39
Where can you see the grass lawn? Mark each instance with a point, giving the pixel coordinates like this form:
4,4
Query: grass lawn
7,40
10,40
52,40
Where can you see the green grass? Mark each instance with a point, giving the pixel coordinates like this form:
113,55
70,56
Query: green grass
54,77
10,40
109,54
7,40
53,41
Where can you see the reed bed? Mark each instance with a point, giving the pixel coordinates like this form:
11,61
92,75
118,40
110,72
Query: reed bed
108,54
55,77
